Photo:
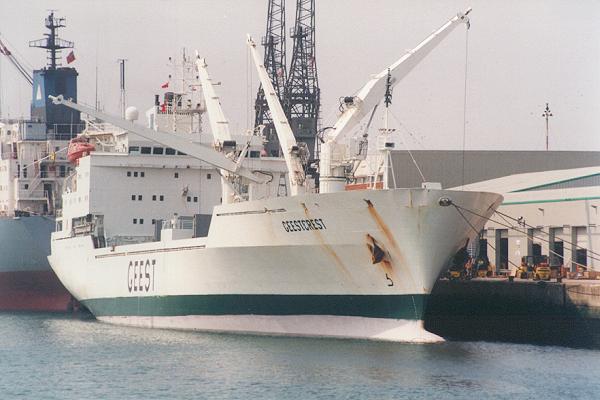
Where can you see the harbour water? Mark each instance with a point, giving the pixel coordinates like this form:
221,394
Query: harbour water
48,356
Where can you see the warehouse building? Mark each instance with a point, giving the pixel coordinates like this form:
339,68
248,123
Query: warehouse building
447,166
553,213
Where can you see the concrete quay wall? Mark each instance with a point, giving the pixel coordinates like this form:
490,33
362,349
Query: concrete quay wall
566,313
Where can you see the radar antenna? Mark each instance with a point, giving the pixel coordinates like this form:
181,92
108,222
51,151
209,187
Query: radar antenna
52,43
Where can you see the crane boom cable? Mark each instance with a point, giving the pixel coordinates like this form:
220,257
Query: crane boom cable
465,105
19,65
14,49
412,157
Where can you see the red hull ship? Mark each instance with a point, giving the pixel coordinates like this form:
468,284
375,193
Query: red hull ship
33,291
27,283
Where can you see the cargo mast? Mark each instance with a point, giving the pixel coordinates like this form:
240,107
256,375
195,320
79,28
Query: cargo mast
302,87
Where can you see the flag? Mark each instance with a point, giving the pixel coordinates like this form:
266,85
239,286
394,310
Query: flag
70,57
165,85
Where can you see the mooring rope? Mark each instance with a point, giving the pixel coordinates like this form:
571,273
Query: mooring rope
459,208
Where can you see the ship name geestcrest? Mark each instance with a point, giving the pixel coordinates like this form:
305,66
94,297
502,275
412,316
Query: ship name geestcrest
299,225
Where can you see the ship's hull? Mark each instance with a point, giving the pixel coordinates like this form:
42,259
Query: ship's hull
353,264
27,283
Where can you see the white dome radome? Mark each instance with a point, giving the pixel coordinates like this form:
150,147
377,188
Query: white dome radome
131,113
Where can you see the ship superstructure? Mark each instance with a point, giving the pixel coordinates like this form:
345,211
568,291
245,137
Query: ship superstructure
339,263
33,159
125,190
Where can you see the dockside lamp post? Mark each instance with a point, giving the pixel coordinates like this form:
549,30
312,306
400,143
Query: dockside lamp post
547,114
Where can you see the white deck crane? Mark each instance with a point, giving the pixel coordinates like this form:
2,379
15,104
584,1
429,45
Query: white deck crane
332,163
287,140
218,123
198,151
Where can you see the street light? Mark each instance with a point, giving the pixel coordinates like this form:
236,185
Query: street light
547,114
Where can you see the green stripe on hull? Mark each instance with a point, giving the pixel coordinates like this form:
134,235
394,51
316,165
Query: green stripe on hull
371,306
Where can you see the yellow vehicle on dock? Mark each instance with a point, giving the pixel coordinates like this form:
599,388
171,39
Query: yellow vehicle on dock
482,267
542,272
454,274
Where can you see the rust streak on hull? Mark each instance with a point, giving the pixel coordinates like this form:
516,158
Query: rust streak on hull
327,247
379,256
389,236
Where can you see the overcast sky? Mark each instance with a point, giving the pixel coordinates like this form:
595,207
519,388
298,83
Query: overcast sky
521,54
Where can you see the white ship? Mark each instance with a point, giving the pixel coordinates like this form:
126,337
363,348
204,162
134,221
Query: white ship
351,264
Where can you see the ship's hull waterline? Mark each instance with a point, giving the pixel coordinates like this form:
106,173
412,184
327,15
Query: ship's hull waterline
355,264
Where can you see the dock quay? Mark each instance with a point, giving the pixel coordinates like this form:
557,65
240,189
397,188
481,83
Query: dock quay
524,311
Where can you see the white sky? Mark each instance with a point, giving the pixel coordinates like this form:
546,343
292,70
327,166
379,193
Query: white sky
522,54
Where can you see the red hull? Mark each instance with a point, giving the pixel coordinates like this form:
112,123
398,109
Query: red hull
33,291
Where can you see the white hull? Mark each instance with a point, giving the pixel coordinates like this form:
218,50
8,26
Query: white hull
287,266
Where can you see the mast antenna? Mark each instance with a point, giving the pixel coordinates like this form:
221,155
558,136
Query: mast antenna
52,43
388,90
122,75
387,144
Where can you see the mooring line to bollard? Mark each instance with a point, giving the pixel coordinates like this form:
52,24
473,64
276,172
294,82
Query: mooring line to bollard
458,208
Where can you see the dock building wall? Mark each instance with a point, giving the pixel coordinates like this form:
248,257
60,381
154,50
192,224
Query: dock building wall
446,166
